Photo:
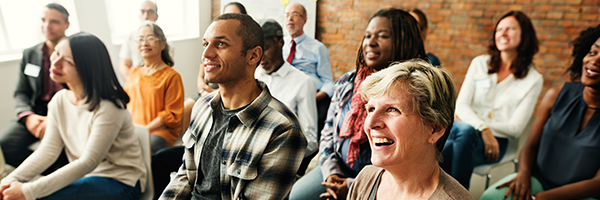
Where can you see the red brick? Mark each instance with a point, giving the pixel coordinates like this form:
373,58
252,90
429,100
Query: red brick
555,15
588,17
573,2
572,16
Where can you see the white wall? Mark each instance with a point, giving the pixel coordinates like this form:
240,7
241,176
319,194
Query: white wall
92,19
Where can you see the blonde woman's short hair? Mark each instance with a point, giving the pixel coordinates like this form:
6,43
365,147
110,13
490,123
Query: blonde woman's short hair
431,90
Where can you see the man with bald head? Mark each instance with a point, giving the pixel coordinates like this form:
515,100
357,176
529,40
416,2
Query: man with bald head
129,52
309,56
242,143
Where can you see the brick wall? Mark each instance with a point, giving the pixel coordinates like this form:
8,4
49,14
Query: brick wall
459,30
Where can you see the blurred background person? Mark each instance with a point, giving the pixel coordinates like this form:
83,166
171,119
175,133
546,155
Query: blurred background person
392,35
291,86
309,56
423,24
90,121
34,90
496,99
561,159
234,7
410,111
129,52
155,89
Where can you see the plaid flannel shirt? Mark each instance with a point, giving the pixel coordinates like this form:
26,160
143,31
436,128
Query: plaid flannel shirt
262,150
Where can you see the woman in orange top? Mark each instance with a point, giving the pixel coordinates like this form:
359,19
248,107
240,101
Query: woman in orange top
155,89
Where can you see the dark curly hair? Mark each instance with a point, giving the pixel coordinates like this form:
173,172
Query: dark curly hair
581,47
528,47
406,37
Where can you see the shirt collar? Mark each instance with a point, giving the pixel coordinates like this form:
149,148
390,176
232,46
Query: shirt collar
283,71
300,38
252,112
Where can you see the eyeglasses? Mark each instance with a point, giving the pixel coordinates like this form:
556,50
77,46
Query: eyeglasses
149,39
149,11
294,15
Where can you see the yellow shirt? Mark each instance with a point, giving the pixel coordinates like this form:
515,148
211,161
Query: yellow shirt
157,95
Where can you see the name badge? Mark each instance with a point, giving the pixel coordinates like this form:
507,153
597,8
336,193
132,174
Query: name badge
483,83
32,70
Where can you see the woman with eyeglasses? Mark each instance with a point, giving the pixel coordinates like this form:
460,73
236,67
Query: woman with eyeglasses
155,89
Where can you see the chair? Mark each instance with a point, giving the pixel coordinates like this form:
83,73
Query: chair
2,164
144,138
510,156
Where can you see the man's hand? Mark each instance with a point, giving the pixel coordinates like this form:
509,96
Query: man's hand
320,95
337,188
41,129
13,192
36,125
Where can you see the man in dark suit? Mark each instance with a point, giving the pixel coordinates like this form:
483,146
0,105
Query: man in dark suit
34,89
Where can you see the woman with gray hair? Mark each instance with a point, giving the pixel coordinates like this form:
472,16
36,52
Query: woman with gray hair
410,113
155,89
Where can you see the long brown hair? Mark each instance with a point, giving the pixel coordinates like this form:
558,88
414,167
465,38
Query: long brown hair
528,47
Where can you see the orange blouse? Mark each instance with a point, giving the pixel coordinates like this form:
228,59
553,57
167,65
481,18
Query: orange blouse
156,95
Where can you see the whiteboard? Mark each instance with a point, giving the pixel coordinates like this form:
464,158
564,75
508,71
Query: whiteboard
274,9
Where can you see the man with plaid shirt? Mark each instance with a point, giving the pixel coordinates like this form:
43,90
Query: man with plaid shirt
242,143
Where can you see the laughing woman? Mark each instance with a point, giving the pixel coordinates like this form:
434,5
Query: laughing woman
89,121
392,35
410,111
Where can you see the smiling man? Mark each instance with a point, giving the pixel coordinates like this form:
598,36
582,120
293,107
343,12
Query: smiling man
34,90
242,143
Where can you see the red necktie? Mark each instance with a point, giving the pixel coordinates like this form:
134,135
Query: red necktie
292,52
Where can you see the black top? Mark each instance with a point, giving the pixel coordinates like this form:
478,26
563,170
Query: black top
434,60
209,186
566,156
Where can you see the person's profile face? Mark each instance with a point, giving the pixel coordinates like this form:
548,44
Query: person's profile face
223,57
54,24
271,54
395,130
231,9
62,66
148,11
377,43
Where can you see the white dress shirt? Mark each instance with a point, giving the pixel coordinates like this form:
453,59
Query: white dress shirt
297,91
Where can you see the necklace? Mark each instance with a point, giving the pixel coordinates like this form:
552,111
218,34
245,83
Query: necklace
592,107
